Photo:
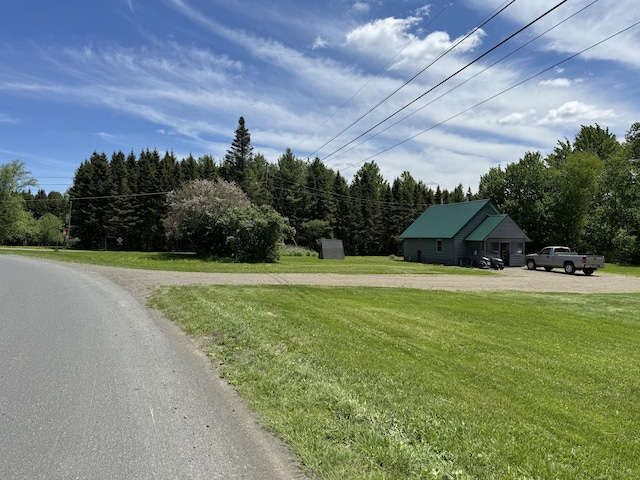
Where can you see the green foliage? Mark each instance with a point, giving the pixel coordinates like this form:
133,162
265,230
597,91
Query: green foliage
14,179
585,194
253,234
312,231
49,230
23,231
238,157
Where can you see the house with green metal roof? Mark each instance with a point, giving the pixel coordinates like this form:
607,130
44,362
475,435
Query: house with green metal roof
462,233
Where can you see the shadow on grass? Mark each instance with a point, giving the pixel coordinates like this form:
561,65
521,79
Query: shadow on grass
190,257
173,256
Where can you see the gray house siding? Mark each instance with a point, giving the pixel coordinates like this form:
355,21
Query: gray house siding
507,233
462,251
424,250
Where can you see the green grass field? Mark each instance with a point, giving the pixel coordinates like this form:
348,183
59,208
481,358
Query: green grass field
390,383
189,262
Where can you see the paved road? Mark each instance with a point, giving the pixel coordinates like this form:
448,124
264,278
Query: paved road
93,387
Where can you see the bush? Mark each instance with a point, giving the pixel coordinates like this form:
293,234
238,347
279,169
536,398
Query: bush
254,234
219,221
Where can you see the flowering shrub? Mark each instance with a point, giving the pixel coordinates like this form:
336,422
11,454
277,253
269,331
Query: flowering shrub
217,219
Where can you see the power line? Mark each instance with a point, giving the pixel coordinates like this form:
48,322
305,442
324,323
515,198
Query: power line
472,77
475,60
416,75
370,79
567,59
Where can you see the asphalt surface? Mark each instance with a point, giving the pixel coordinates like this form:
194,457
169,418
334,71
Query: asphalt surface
93,386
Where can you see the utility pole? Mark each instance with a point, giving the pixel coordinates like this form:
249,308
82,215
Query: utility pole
68,223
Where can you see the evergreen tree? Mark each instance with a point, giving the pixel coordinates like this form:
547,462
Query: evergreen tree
341,223
151,202
189,170
238,157
457,195
256,180
367,191
91,184
121,216
287,185
437,197
207,168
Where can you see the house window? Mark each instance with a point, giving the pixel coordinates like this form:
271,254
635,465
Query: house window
439,246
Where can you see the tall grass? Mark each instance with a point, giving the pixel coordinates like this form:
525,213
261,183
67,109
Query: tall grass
387,383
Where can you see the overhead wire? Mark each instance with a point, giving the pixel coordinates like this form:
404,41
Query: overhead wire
416,75
470,78
486,100
370,79
442,82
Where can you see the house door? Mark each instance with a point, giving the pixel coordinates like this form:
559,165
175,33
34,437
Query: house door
504,253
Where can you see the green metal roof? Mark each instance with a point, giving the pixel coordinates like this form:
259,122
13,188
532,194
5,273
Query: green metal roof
444,221
485,228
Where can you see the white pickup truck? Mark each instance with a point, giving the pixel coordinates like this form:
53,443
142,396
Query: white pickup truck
563,257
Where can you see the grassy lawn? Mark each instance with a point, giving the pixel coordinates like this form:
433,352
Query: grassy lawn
189,262
630,270
377,383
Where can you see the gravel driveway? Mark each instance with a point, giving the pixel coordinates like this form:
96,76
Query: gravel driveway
143,282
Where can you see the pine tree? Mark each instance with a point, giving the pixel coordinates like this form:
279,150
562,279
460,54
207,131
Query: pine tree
341,222
367,190
188,169
121,217
91,184
238,157
207,168
288,188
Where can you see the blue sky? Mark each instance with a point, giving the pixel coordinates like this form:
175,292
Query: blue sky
121,75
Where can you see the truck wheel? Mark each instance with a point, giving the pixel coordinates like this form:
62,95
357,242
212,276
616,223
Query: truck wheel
569,268
588,271
531,264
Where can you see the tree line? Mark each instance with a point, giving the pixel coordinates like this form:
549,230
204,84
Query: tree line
584,194
121,200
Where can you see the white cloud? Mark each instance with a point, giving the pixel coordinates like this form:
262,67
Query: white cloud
318,43
518,118
6,119
393,37
576,113
595,23
360,7
423,11
559,82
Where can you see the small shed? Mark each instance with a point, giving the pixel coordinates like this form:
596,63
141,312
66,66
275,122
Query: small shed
462,233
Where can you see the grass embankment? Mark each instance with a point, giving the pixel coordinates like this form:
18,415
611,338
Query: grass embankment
389,383
189,262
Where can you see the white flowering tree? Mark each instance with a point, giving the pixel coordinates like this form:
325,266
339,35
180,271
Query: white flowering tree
217,218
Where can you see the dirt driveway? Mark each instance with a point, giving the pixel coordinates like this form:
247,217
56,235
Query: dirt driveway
143,282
